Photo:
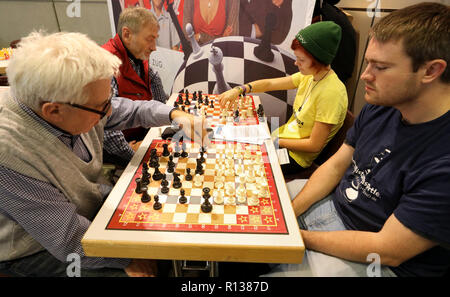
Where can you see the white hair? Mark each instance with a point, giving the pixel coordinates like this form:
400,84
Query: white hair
57,67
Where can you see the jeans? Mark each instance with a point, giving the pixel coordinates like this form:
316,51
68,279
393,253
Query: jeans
43,264
322,216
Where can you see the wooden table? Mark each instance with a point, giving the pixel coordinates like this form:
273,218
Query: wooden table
199,246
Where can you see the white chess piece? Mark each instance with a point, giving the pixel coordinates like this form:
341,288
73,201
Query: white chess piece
215,58
197,50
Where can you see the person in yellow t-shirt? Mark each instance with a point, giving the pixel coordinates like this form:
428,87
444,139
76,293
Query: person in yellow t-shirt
321,101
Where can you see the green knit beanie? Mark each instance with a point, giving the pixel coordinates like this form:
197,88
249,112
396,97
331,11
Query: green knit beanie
321,40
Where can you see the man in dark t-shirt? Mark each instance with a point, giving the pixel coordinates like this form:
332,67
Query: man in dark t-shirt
387,188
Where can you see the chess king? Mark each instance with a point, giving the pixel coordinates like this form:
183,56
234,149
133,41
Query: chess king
51,141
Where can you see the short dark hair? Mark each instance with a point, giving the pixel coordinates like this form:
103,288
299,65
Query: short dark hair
424,30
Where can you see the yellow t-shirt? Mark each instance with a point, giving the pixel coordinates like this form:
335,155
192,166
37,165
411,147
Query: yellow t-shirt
322,101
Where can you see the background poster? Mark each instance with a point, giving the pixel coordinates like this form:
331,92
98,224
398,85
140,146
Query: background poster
231,44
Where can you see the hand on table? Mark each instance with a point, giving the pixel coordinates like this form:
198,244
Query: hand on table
142,268
134,145
228,99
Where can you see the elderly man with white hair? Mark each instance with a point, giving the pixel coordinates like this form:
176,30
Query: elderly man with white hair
51,143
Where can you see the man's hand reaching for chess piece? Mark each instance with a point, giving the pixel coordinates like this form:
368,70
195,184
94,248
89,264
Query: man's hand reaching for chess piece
195,128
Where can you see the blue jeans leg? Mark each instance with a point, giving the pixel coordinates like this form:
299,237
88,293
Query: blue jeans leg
322,216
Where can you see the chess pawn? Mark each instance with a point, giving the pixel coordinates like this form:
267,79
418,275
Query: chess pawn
138,186
229,190
145,196
157,205
198,180
188,176
218,197
206,205
250,176
182,198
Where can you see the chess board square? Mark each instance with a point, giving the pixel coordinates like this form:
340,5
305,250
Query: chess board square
174,192
194,208
241,209
187,184
194,200
169,208
196,192
166,217
229,209
204,218
192,218
192,160
217,218
181,166
208,182
255,219
218,209
182,208
170,200
179,217
229,219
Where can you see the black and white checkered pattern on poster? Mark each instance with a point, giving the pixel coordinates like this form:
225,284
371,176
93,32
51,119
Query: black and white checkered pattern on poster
240,66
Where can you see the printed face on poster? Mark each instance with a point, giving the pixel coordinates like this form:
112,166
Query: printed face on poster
223,32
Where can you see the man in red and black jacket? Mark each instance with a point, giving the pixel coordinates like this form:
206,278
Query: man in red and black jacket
136,39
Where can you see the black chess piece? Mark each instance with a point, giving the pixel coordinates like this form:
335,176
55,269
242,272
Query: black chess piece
166,151
164,181
157,175
164,189
260,110
157,205
182,198
176,180
153,158
171,165
202,158
187,102
236,115
145,196
264,51
212,104
138,186
206,205
145,179
188,174
171,162
199,168
206,192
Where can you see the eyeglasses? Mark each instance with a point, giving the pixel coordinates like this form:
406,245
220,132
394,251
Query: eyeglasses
102,112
